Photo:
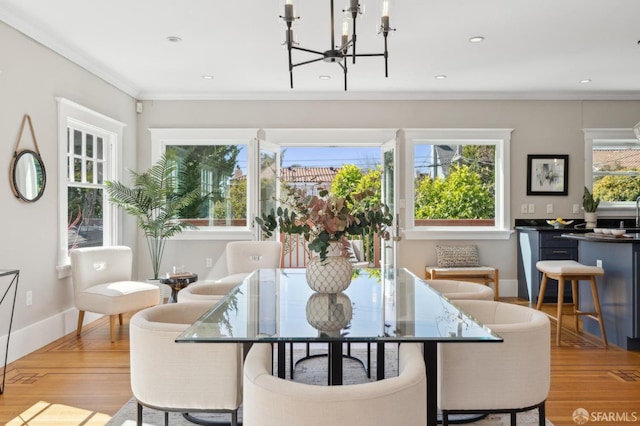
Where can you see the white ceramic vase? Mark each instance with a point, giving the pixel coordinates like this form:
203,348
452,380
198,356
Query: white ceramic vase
331,275
329,313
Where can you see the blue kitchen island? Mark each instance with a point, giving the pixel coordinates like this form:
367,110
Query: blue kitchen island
618,289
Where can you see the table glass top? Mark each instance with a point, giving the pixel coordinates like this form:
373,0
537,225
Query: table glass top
389,305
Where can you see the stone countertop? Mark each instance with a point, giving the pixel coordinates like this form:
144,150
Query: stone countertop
591,236
575,229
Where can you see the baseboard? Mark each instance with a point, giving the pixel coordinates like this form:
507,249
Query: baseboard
41,333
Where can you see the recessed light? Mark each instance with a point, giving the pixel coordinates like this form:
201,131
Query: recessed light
207,77
476,39
174,39
585,81
440,77
325,77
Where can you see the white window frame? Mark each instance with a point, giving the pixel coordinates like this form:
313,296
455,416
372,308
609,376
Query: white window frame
78,116
501,139
161,137
614,137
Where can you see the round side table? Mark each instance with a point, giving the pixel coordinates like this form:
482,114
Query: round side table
177,282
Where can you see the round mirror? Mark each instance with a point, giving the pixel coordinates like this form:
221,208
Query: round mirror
28,177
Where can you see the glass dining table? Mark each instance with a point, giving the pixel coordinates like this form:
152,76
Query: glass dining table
380,306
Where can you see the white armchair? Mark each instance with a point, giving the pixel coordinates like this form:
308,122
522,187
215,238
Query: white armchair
182,377
269,400
506,377
102,283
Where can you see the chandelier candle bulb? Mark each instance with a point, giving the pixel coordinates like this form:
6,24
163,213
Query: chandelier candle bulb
288,10
384,19
345,34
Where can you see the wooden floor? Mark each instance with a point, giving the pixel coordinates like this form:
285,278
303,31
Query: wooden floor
85,381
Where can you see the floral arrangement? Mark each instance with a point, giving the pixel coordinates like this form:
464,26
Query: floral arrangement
324,218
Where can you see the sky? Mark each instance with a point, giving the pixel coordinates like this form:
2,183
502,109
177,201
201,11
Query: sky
364,157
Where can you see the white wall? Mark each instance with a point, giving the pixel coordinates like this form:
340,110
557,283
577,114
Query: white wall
32,76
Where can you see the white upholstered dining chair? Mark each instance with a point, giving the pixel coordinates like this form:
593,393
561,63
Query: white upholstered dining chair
243,257
182,377
462,290
102,283
507,377
269,400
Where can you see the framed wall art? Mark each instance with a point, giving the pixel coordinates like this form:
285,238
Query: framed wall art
547,174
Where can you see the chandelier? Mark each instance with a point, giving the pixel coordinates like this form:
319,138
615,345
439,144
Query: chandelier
338,53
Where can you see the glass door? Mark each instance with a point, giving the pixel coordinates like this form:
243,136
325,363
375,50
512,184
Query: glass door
267,181
389,189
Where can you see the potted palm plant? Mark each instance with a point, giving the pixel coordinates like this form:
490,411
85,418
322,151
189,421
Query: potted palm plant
155,200
590,205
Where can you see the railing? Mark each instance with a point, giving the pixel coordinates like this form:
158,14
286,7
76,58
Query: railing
296,253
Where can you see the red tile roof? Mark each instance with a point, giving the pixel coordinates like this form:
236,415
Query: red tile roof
297,174
616,158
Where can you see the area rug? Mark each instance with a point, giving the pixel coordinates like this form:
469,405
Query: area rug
313,371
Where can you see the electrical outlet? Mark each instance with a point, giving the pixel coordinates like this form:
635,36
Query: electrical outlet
29,298
599,263
532,208
208,262
523,208
576,208
549,208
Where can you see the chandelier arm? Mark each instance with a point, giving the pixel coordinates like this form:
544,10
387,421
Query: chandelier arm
307,50
290,68
345,47
344,69
307,62
386,57
361,55
353,39
333,38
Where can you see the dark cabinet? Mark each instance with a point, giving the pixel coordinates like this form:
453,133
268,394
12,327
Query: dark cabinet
542,244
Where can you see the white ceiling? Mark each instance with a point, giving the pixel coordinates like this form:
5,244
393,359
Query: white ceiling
535,49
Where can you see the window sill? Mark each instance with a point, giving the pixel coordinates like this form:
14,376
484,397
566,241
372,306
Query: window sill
458,234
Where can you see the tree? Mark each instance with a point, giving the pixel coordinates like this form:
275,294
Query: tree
236,202
217,162
346,180
371,182
617,188
461,195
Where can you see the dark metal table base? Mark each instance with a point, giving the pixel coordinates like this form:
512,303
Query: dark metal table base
366,366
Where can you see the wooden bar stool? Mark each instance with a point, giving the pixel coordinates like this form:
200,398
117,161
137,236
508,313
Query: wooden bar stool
570,270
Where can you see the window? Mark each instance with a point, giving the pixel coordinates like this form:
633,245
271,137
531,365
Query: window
218,162
458,184
614,156
88,143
